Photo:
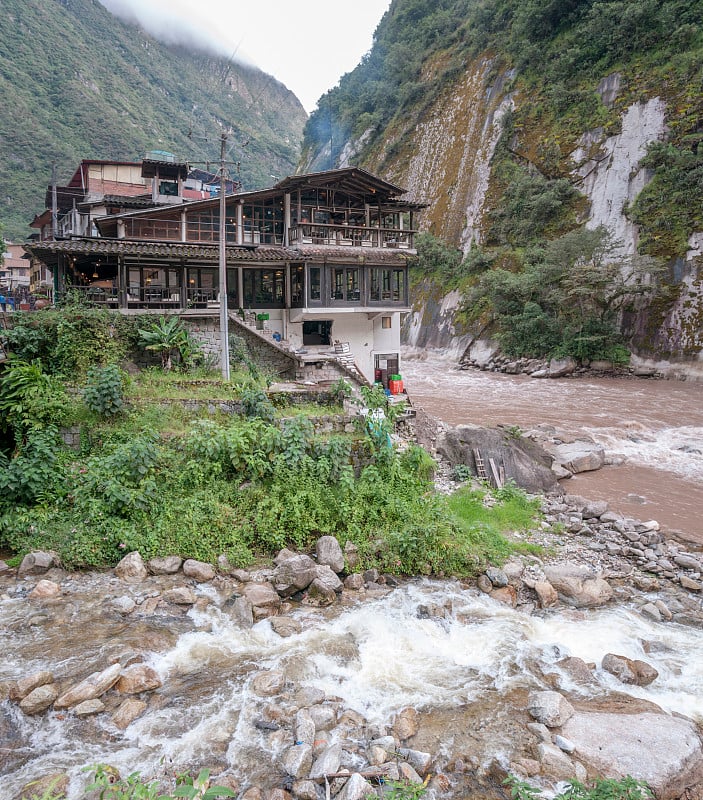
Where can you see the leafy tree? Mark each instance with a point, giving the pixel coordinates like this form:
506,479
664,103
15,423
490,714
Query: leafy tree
567,298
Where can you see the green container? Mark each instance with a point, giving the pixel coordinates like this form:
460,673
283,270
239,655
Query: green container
262,317
395,377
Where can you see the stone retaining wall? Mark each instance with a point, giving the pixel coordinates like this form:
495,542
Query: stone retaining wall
206,330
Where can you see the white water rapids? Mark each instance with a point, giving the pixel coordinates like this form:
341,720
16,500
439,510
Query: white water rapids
376,657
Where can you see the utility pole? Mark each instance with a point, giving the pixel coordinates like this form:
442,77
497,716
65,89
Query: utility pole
54,203
224,318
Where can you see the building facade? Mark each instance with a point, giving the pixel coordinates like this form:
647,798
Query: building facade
320,259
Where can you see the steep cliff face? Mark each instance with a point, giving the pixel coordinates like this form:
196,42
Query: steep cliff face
526,107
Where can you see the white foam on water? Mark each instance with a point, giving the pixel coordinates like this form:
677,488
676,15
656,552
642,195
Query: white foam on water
378,657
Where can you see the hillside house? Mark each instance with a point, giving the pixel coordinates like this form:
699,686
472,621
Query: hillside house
320,259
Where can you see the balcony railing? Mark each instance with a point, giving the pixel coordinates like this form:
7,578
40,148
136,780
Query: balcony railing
350,236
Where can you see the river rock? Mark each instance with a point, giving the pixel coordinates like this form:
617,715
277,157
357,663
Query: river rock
328,762
180,596
577,585
541,731
579,456
690,584
131,568
419,760
356,788
44,590
128,712
557,766
36,563
354,582
294,574
351,556
323,716
285,626
577,669
329,553
547,596
594,509
484,584
24,686
305,790
497,577
166,565
408,774
626,670
48,786
663,750
39,699
277,794
297,760
138,678
123,605
550,708
243,611
507,595
198,570
267,684
406,724
304,727
687,562
264,599
89,708
560,367
90,688
325,587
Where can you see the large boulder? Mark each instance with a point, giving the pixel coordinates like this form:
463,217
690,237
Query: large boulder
627,670
39,699
330,553
198,570
579,456
665,751
577,585
294,574
523,461
131,568
36,563
138,678
263,598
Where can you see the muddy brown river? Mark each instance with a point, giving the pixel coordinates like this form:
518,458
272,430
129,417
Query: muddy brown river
654,427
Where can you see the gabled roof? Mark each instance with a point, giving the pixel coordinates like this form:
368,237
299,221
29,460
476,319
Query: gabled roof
353,180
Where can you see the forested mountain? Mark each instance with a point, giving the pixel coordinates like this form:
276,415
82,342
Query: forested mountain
77,82
525,122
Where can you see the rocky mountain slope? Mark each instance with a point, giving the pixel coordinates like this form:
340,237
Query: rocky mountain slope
521,123
77,82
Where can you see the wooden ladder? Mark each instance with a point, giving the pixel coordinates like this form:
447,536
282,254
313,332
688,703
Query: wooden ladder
480,466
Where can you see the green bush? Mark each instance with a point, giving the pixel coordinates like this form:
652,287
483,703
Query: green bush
104,390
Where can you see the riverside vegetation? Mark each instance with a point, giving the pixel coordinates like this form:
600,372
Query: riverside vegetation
152,475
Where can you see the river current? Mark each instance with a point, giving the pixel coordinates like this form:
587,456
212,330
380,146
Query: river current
652,429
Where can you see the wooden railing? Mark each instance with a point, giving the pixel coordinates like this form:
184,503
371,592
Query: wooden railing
350,236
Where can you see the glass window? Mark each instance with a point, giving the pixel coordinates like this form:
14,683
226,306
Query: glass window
263,287
387,286
296,285
315,283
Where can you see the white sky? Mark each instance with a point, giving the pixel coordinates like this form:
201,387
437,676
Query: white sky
307,45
